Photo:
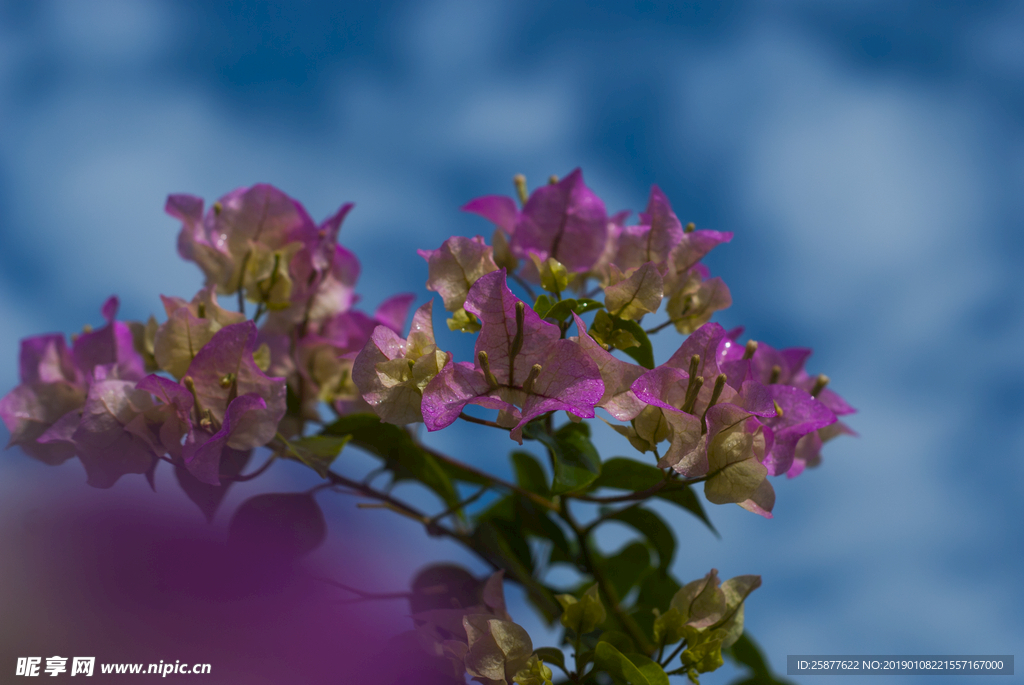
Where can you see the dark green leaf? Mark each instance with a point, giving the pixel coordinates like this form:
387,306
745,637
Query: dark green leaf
644,353
634,669
746,652
529,473
561,311
584,614
284,524
656,592
543,305
551,655
628,474
618,639
508,550
654,673
317,451
399,451
682,495
576,461
654,528
626,568
539,522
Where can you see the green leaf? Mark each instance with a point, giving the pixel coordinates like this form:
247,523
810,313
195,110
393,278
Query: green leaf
317,452
628,474
399,451
668,627
553,275
539,522
543,305
653,528
463,321
551,655
501,543
576,461
625,335
746,652
644,353
654,673
582,615
608,658
529,473
563,309
683,495
618,639
626,568
656,592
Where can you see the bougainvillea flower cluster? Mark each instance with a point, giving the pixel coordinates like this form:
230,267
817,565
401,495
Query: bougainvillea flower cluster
556,303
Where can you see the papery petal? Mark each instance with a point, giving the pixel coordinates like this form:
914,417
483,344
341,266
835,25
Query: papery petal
105,448
46,359
179,339
195,243
454,267
695,303
652,241
263,214
569,380
449,392
801,415
31,409
348,331
618,377
498,209
694,246
495,305
202,454
701,603
687,451
637,295
393,311
566,221
175,418
230,353
112,344
663,387
735,450
762,501
323,254
397,401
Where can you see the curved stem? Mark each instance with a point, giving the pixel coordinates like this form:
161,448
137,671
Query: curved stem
605,585
483,422
249,476
532,496
524,285
673,655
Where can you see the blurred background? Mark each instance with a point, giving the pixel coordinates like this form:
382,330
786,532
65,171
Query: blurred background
868,156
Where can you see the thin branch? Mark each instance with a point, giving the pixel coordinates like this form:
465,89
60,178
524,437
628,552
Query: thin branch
483,422
605,585
532,496
363,595
249,476
464,503
673,655
666,324
524,285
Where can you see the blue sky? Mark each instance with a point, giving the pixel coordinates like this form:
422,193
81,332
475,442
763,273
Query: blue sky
867,158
